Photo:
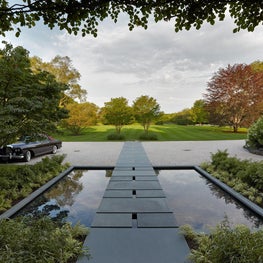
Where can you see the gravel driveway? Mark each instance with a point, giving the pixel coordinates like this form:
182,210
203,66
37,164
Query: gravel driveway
159,153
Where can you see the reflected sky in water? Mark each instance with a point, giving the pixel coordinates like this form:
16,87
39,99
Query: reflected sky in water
74,199
198,202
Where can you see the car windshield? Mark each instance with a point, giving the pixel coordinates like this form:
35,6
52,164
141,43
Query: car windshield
35,138
25,139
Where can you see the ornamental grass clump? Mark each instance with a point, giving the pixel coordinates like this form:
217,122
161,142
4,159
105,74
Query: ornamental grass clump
40,240
226,244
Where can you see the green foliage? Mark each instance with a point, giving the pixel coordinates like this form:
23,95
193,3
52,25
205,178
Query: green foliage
146,110
255,134
29,102
252,174
222,162
81,115
148,137
257,65
184,117
243,176
115,137
199,112
84,16
226,244
19,181
117,112
41,240
64,72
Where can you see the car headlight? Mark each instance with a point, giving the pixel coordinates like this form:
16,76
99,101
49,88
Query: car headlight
18,151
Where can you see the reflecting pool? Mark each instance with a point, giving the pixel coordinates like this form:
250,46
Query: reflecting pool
199,203
73,199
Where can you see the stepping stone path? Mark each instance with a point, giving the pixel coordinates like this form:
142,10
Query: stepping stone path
133,223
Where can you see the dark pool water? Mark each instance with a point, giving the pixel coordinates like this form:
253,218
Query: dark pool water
193,199
73,199
198,202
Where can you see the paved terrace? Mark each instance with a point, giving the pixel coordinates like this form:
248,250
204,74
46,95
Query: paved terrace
133,222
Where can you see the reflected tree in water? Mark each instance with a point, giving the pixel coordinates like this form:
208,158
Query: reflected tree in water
64,193
52,202
220,194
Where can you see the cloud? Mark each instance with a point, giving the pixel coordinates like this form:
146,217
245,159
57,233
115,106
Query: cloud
172,67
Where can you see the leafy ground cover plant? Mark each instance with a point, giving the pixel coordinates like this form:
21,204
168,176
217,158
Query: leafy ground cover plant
18,181
42,240
244,176
225,244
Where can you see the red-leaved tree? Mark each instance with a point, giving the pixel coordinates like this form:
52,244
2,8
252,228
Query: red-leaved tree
235,96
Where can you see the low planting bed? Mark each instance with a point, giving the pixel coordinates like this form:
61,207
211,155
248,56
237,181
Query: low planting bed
27,239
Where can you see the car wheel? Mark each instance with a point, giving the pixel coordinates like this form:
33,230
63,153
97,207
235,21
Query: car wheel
54,149
28,156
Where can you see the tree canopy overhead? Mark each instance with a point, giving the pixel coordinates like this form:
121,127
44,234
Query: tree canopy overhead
80,16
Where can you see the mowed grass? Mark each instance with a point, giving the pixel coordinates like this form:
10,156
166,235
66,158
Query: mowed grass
168,132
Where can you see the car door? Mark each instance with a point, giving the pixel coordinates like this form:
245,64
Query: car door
30,144
45,144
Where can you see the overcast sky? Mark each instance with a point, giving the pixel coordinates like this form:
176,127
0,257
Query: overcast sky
174,68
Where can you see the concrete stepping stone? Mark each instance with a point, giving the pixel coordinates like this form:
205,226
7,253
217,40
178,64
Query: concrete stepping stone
136,245
133,205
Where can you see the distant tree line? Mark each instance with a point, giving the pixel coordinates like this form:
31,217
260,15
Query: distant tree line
37,96
234,97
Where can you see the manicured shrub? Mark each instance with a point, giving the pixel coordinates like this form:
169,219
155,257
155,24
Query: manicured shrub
41,240
222,162
255,134
115,137
253,174
148,137
226,244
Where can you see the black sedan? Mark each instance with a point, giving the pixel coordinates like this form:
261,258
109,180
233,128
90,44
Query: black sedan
28,147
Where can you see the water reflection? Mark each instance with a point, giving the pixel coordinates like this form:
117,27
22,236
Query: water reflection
200,203
75,198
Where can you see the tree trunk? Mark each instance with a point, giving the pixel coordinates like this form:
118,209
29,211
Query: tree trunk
235,128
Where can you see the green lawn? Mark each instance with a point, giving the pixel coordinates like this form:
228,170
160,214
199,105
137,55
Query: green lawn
168,132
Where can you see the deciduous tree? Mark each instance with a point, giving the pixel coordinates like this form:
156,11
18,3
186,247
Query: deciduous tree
83,16
29,103
117,112
257,65
64,72
199,112
235,96
81,115
184,117
146,110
